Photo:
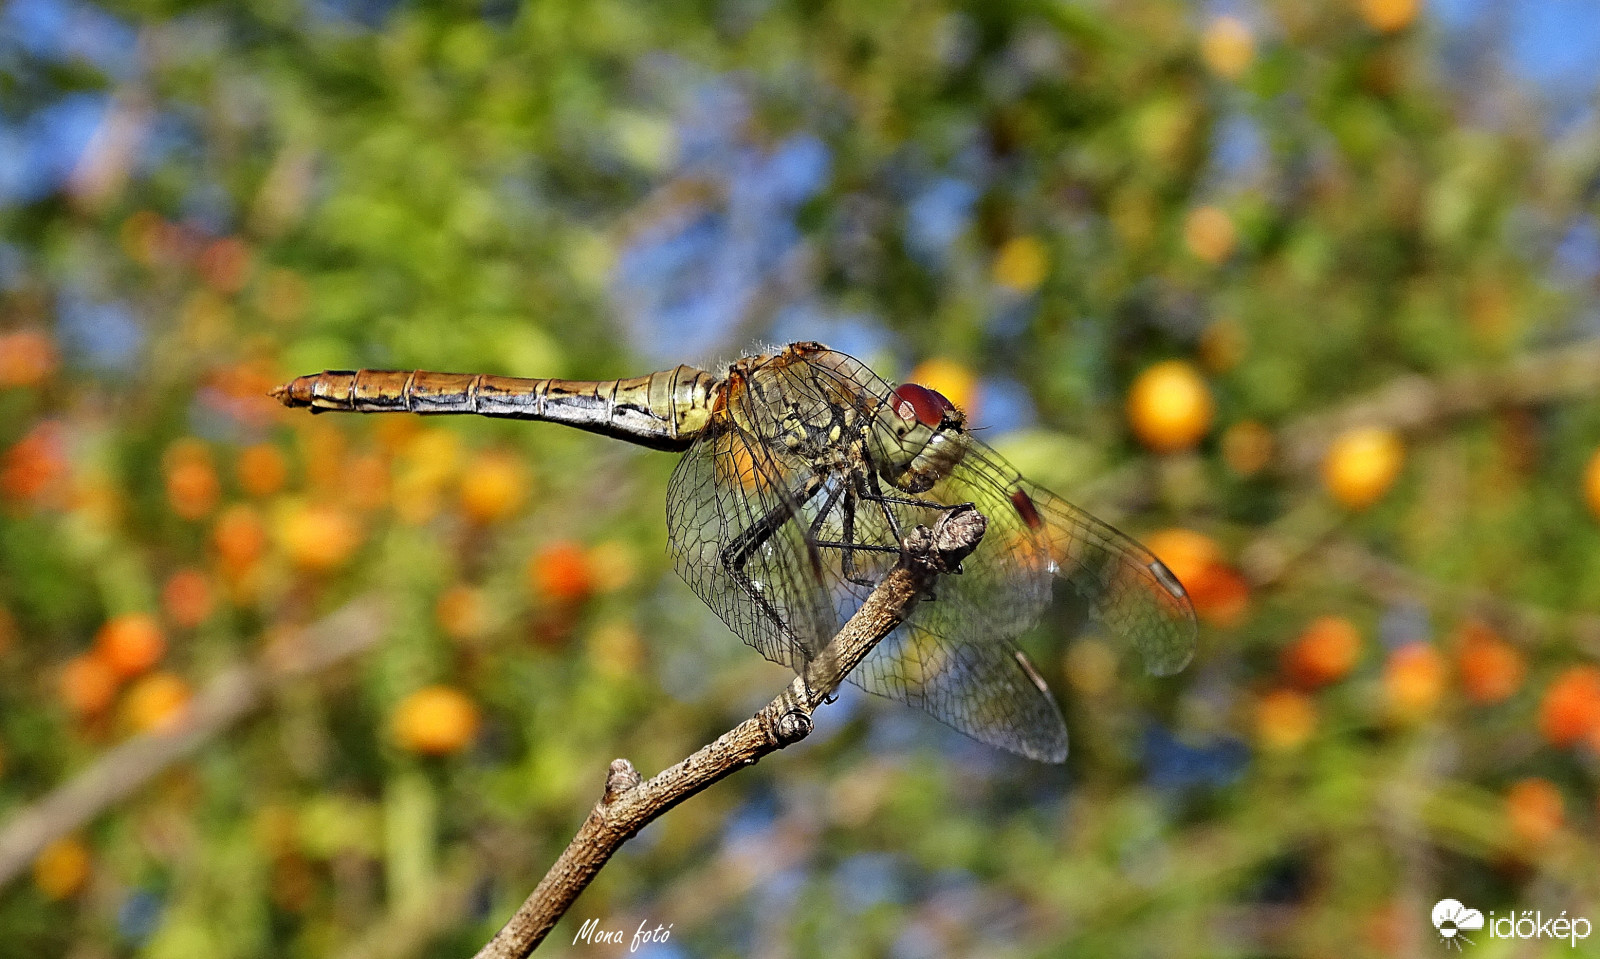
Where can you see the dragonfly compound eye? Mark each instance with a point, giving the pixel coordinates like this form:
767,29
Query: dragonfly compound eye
918,403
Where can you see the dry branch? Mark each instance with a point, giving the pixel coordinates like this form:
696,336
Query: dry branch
628,805
233,694
1415,403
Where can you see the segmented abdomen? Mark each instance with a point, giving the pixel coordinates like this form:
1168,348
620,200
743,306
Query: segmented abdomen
664,410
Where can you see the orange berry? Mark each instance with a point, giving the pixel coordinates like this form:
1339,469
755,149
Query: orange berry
317,537
460,612
436,721
1591,484
955,380
240,538
130,643
1247,447
492,486
186,598
1170,407
156,702
192,485
1190,555
262,469
1534,811
1285,720
560,571
1571,707
1413,681
322,451
1491,668
1209,234
1324,652
1361,465
1227,47
1221,597
27,358
1020,266
62,868
87,685
36,467
1389,15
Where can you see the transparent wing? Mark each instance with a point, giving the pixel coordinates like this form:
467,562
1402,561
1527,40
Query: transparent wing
954,658
1124,586
736,530
775,525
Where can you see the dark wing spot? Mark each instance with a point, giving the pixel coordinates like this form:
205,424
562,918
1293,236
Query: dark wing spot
1023,504
1168,581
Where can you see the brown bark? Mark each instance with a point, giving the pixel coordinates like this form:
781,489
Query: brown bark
628,804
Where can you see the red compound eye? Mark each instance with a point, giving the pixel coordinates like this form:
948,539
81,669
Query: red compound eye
914,402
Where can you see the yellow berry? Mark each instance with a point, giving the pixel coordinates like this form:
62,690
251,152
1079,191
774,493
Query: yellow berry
1389,15
1170,407
1361,465
436,721
1021,265
62,869
954,380
157,702
1591,484
1285,720
1227,47
1209,234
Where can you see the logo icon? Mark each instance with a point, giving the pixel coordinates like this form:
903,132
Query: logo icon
1454,921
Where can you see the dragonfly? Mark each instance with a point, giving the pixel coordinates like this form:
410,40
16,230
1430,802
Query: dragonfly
802,472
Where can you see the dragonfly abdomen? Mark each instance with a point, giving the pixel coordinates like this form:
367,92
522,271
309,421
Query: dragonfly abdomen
664,410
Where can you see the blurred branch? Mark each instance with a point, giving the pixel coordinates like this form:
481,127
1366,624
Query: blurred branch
408,927
233,694
1393,582
628,805
1309,537
1409,404
1414,403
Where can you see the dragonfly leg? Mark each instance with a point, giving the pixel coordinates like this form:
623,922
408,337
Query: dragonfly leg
826,510
874,492
736,554
883,497
847,560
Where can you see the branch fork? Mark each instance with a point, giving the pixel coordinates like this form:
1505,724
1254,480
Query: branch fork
629,803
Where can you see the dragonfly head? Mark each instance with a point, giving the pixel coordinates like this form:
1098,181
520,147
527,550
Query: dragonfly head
924,441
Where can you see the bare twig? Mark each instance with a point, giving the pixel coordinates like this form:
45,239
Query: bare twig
405,930
233,694
1415,403
1308,538
628,805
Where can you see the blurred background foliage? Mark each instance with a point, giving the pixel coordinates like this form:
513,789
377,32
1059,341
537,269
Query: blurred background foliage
1302,293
